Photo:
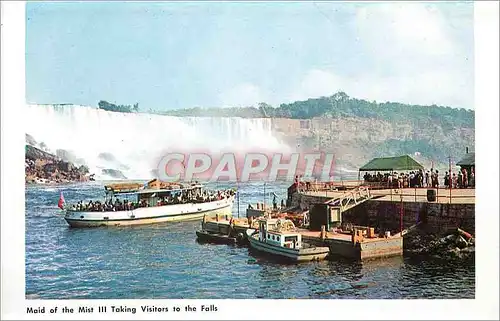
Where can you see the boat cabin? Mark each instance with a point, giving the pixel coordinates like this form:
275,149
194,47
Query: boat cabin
154,193
270,233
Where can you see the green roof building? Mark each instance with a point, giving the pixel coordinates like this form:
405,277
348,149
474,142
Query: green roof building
402,163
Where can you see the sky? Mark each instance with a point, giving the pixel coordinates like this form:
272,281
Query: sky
219,54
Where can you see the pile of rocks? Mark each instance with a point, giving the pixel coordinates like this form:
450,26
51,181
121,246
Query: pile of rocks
44,168
456,244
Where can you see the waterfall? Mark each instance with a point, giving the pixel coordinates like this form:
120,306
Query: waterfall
133,143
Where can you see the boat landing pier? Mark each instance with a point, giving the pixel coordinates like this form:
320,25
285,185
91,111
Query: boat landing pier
443,196
361,244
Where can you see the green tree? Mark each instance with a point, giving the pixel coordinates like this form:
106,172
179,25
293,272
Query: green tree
112,107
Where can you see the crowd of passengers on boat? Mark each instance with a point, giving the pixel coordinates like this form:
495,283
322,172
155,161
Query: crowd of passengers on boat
128,205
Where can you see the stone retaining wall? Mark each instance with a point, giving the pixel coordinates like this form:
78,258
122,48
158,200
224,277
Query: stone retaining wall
437,217
385,215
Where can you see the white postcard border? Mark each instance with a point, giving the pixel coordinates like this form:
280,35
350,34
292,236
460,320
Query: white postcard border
485,305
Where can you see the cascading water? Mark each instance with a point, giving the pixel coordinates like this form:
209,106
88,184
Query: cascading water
133,143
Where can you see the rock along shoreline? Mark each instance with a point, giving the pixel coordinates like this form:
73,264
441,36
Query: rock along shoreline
44,168
454,245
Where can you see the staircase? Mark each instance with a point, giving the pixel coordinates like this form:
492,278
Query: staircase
350,199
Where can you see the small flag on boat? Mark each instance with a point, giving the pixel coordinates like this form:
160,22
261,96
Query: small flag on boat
61,202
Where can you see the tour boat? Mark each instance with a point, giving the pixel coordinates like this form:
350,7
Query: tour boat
278,237
154,202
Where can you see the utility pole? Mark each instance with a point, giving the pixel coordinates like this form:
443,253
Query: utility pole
265,195
401,216
449,176
238,195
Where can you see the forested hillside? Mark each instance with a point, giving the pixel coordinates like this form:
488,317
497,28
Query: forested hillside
341,105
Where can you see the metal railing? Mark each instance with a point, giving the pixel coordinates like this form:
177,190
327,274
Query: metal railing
351,198
354,198
446,193
442,192
328,186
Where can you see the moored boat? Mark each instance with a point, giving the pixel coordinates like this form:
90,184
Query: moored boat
219,238
279,237
216,229
154,202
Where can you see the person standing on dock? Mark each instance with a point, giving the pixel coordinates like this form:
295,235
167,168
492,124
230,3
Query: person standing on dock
464,178
297,183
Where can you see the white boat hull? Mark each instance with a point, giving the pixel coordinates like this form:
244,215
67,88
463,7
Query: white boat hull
297,255
150,215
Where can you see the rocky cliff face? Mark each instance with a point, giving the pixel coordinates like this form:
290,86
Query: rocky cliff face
357,140
42,167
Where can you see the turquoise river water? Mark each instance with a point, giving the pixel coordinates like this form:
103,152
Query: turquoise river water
165,261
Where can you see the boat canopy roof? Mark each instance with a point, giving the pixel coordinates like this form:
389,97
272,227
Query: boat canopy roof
141,188
123,187
151,191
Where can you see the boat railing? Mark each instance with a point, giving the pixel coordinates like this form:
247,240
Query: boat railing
130,206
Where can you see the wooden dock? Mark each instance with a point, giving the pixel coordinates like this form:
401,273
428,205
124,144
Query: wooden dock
359,247
364,245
